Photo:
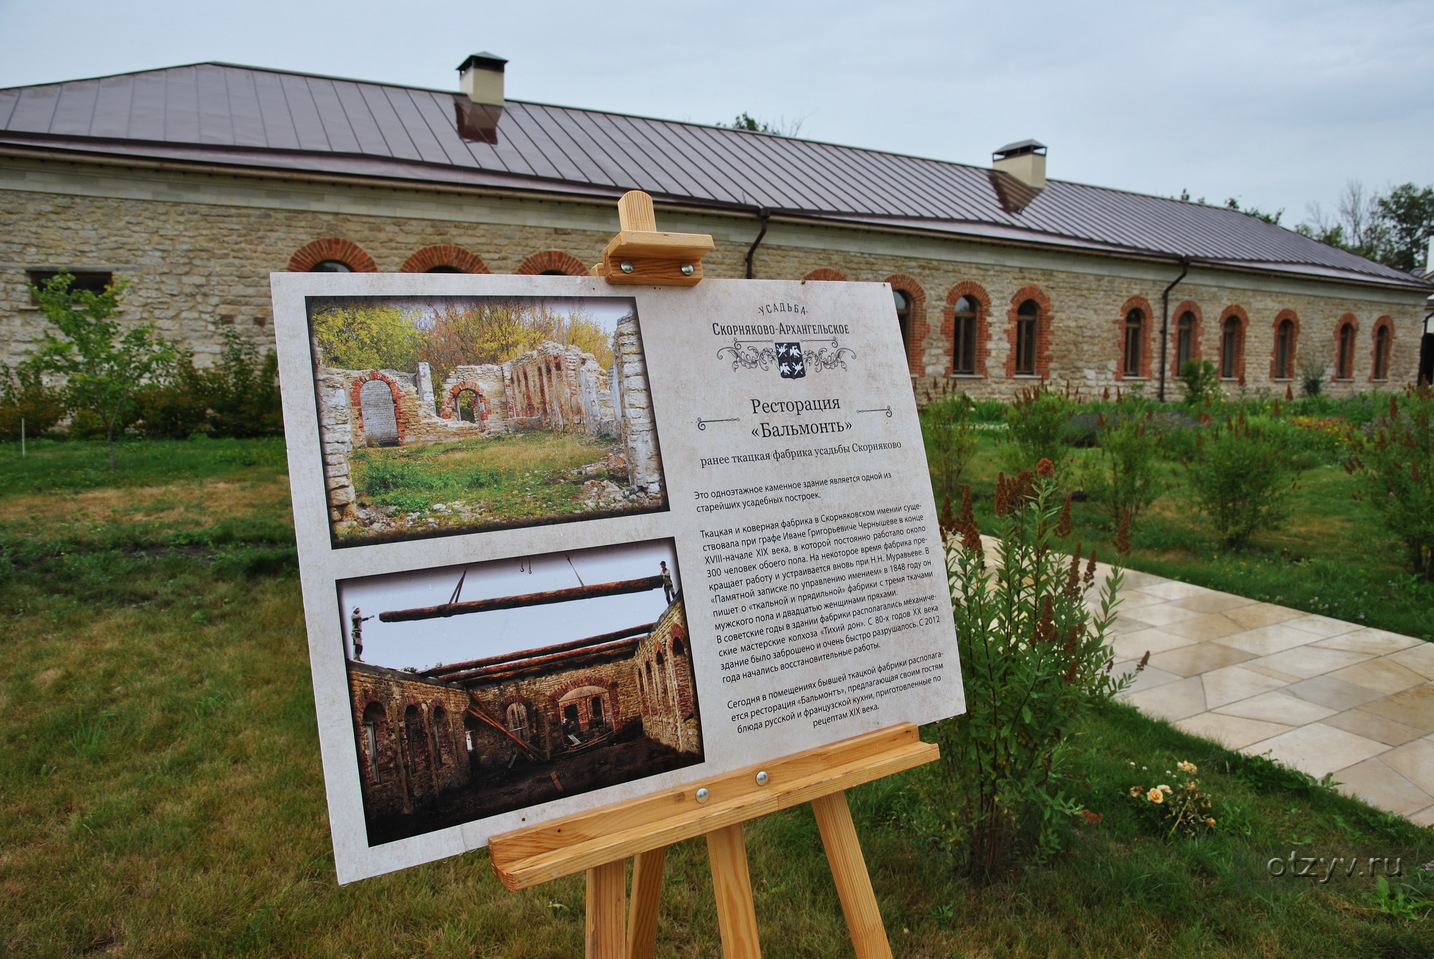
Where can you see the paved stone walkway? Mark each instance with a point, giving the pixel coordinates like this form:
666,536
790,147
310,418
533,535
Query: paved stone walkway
1315,693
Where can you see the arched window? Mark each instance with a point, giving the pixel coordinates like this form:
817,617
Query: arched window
903,319
1285,349
1133,343
517,720
965,315
418,750
331,266
1232,346
1184,340
465,404
1344,352
1383,340
375,723
441,755
1028,316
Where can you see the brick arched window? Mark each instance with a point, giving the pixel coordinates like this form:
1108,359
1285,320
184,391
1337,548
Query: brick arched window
465,397
910,301
1233,323
964,323
1134,325
1345,332
366,401
823,274
1185,337
331,255
1287,334
443,259
1029,333
553,263
1383,347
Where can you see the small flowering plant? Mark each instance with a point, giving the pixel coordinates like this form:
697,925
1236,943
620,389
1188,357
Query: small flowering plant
1185,809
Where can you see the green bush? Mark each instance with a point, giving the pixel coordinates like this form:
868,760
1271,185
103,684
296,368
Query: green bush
1395,464
24,397
1201,383
1240,478
242,390
1125,475
950,442
175,406
1033,662
1037,423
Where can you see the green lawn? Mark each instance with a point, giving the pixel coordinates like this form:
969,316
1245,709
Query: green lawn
162,792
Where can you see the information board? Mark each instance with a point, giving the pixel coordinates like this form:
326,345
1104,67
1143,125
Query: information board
564,544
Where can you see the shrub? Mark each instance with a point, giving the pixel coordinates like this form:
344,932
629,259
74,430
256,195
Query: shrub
24,397
1395,464
1033,661
950,442
1124,475
1037,422
1311,378
242,390
176,406
1240,478
1201,383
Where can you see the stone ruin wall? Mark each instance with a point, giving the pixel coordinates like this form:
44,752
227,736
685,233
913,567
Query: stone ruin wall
553,388
632,405
663,665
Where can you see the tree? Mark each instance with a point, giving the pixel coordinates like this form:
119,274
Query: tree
1393,229
782,127
103,363
368,337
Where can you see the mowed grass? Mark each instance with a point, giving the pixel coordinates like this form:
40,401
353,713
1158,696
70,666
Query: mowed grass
162,793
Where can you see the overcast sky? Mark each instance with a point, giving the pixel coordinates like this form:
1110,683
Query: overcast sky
1274,102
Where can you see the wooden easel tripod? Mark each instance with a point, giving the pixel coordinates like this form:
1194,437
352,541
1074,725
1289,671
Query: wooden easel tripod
599,842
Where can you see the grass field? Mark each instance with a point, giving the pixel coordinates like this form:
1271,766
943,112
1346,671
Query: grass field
162,794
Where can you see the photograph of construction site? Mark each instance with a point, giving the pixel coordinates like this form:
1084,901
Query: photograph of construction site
454,414
500,685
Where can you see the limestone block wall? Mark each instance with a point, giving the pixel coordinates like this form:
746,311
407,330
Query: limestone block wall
632,407
410,737
198,250
488,383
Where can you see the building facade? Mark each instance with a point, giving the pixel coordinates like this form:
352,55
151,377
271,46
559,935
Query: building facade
196,182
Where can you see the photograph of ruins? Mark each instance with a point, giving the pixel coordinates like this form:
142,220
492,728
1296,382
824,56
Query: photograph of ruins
477,690
443,415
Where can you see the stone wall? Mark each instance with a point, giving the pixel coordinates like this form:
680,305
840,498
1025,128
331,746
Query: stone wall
666,683
632,406
410,735
198,250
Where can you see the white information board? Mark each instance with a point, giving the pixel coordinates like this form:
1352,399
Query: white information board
564,543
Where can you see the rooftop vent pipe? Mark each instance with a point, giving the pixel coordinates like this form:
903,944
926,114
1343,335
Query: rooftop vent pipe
1026,161
480,104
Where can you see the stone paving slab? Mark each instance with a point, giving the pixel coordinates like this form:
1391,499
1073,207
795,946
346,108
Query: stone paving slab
1317,694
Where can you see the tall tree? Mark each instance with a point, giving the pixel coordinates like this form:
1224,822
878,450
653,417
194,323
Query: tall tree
1393,228
362,336
103,363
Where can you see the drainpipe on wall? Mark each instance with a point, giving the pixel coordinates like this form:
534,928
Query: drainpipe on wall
1165,326
763,216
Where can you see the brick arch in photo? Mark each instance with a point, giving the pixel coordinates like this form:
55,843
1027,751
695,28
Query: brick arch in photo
450,403
1292,347
552,261
981,348
1379,364
1143,361
453,257
823,273
356,402
917,328
1040,347
310,255
1232,342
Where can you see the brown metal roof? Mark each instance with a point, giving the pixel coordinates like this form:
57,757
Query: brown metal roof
235,116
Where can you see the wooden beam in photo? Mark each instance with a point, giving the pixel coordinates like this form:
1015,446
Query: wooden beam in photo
529,599
641,256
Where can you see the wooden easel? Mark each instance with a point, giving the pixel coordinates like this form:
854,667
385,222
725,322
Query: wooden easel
599,842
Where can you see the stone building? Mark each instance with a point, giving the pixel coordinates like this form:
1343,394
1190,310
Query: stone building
424,738
197,181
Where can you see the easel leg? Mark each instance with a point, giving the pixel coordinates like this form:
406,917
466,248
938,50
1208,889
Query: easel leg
607,894
853,883
646,893
732,887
